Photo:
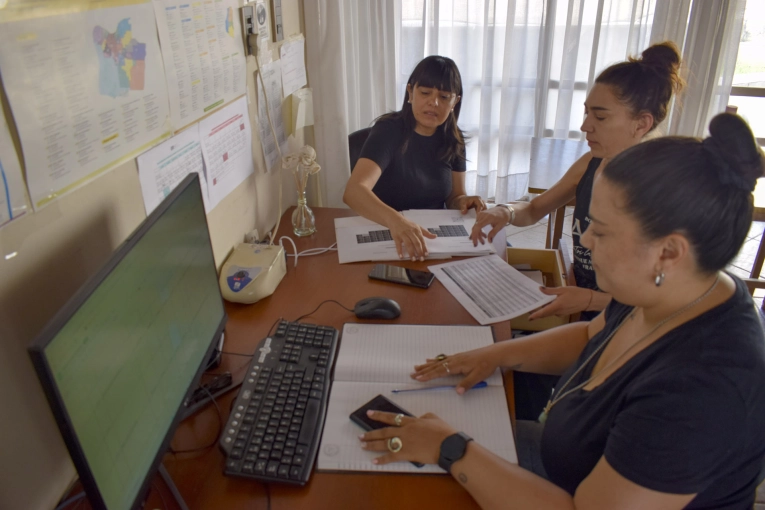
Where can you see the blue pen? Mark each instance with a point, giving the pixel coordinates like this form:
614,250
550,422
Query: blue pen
481,384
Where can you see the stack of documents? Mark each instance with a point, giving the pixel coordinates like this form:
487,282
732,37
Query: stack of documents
375,359
359,239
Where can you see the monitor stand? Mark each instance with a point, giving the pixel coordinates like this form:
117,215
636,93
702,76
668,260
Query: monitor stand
173,489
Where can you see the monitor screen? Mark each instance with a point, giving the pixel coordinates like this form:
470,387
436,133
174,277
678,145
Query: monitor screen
118,361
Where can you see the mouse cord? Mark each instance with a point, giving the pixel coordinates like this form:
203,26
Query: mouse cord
217,434
305,253
320,305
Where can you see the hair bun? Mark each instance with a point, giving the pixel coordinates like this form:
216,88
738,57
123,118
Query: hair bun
663,55
737,146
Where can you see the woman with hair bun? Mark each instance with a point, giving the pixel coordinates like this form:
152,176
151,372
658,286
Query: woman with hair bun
661,403
628,101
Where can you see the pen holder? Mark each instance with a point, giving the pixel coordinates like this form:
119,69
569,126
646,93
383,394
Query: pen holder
303,221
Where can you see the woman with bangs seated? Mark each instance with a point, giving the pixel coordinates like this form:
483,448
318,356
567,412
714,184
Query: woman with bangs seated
415,158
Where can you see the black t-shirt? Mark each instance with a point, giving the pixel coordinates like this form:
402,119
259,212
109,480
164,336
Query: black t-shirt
416,179
685,415
583,272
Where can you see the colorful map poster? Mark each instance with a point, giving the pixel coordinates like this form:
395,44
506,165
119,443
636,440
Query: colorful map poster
203,54
87,90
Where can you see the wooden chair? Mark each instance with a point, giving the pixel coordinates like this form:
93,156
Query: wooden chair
555,226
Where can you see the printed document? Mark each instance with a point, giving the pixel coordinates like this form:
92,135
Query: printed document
360,239
13,202
490,289
293,66
87,90
273,79
377,358
163,167
226,139
203,54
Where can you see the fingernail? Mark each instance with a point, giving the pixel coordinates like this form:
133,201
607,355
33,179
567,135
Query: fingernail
364,446
460,390
420,377
374,461
370,413
361,437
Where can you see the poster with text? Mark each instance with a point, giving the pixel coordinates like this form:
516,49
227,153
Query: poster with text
203,54
87,90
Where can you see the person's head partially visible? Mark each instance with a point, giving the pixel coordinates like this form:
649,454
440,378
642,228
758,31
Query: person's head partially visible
630,99
433,94
674,208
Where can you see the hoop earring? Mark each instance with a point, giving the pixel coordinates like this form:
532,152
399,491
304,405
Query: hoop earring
659,279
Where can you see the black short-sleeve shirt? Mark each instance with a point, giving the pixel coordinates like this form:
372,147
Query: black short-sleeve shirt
415,179
684,416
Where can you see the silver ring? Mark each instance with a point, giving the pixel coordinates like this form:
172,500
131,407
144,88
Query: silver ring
395,444
397,419
446,366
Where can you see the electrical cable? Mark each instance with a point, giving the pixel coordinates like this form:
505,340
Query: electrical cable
164,503
71,500
320,305
304,253
217,434
276,142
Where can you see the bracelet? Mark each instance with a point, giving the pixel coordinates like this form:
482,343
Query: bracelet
512,212
592,294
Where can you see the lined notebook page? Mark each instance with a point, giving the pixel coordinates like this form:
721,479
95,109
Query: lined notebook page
482,414
387,353
375,359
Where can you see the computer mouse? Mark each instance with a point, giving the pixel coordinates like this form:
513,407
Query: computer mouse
377,308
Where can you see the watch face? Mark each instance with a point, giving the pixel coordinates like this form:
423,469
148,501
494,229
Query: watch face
453,449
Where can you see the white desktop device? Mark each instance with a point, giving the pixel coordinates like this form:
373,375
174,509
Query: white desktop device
252,272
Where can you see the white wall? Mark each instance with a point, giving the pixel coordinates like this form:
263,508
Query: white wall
58,249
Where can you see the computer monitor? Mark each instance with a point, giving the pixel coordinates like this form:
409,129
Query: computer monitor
119,360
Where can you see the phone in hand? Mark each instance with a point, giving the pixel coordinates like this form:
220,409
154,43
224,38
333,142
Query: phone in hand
379,403
396,274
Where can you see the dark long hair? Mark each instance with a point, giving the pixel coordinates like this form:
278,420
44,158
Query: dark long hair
440,73
701,189
646,84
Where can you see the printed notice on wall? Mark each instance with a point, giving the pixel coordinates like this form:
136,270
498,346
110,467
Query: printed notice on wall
87,90
272,77
13,202
203,54
226,139
163,167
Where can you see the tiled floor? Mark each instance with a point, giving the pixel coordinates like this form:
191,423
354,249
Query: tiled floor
533,236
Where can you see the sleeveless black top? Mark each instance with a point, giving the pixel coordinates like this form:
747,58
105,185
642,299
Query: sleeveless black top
583,272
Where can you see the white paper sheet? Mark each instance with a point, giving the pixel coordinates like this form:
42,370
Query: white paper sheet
13,202
226,139
490,289
163,167
293,66
88,92
203,54
272,78
375,359
359,239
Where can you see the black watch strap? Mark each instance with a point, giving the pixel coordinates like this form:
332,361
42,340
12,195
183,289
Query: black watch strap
453,449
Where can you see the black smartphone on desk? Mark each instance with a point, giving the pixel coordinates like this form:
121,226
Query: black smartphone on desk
396,274
379,403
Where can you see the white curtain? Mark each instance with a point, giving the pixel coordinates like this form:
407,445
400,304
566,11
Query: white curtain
526,68
351,58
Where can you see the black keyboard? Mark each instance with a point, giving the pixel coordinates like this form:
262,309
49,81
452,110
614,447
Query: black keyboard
274,429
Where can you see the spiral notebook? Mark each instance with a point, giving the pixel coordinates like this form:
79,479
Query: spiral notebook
377,358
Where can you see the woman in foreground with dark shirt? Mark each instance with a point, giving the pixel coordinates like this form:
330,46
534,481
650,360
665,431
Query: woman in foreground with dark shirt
415,158
661,402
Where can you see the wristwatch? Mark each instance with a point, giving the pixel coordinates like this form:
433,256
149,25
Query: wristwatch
512,212
453,449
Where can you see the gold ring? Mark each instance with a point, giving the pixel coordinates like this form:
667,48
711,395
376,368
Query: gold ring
397,419
395,444
446,366
441,357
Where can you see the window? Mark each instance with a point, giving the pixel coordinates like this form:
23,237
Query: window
748,90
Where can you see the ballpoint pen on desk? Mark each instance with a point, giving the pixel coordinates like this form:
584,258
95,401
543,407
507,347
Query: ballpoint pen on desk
481,384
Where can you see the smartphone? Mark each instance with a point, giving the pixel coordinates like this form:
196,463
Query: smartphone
379,403
396,274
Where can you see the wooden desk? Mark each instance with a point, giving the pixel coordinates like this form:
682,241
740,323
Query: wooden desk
317,278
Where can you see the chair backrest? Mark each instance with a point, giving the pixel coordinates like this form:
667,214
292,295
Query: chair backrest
356,143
